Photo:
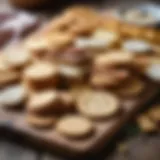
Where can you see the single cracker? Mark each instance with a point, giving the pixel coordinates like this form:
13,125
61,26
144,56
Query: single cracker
37,47
137,47
109,77
41,75
72,74
74,126
16,57
38,121
98,104
91,44
113,58
112,38
13,96
43,102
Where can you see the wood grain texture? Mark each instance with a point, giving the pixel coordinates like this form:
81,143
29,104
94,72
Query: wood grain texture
11,151
50,157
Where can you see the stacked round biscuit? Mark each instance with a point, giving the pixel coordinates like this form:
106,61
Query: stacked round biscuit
72,72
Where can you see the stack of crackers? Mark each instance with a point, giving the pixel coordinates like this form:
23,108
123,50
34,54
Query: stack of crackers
75,70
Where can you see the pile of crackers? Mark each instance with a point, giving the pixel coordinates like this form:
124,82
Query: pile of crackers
149,121
75,70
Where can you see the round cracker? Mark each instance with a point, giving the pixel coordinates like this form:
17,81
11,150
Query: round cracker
18,59
72,73
137,46
38,121
111,37
98,104
13,96
43,102
41,76
41,71
113,58
74,126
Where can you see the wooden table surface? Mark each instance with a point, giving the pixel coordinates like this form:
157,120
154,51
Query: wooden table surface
12,148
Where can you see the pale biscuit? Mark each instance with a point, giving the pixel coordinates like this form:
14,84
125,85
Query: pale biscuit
3,65
43,102
137,47
112,38
98,104
103,81
109,77
72,74
93,43
13,96
58,41
39,121
113,58
41,75
52,42
74,126
16,57
37,47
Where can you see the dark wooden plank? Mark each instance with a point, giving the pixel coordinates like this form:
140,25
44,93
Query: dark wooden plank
51,157
12,151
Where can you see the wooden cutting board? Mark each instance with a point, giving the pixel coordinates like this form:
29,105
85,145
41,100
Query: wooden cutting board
14,121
